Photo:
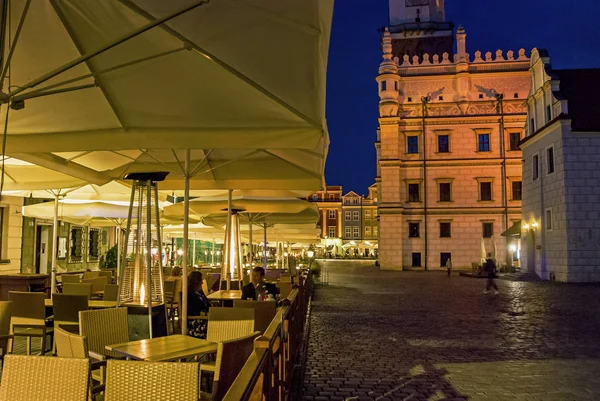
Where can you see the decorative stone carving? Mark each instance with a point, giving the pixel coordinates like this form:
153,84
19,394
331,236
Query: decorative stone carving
445,58
522,55
415,60
436,59
426,59
478,58
397,60
406,62
511,55
488,56
508,85
499,56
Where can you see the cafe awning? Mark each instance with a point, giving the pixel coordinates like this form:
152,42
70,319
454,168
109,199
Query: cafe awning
513,231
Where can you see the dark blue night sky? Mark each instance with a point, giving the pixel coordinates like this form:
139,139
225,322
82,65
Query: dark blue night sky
569,29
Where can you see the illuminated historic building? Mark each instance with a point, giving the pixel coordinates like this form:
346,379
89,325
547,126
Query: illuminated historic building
561,173
448,157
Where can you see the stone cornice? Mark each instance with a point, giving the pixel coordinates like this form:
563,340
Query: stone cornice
473,163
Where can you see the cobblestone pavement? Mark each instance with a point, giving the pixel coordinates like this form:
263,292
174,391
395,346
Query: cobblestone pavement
422,336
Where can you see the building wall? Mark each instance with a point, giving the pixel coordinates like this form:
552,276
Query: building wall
462,104
12,233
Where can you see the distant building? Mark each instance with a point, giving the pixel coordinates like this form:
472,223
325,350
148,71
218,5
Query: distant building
448,157
352,220
329,202
561,173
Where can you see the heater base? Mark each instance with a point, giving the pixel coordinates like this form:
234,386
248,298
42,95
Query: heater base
139,322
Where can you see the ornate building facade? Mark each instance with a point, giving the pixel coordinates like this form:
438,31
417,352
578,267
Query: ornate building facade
448,157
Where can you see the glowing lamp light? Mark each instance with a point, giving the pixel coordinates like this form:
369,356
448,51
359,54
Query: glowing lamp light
179,252
513,248
534,224
142,294
311,254
154,251
205,253
218,253
525,226
285,254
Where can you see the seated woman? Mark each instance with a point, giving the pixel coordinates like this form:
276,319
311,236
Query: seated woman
197,304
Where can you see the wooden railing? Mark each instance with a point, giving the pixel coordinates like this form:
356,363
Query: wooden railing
267,374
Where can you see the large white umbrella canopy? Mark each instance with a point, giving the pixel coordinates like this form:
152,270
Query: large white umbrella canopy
198,230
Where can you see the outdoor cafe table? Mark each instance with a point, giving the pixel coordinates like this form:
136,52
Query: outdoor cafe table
92,304
225,297
164,348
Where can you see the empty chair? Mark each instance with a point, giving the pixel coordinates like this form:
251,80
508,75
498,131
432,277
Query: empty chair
28,317
91,274
27,378
285,278
227,323
108,274
212,281
142,381
97,283
5,336
71,278
78,289
264,312
170,301
67,307
111,292
71,345
104,327
231,357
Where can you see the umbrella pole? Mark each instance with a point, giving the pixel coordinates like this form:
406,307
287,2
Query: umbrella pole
213,253
250,243
186,216
54,245
149,255
194,252
227,262
118,252
265,247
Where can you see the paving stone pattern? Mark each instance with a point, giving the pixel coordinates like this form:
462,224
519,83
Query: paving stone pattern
422,336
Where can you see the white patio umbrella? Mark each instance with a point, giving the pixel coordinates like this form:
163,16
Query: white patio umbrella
483,252
99,89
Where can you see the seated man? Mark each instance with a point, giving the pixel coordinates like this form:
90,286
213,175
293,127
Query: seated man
258,287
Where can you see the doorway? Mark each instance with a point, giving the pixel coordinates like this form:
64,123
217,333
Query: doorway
531,251
42,237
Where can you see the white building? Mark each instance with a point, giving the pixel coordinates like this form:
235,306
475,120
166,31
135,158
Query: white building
561,173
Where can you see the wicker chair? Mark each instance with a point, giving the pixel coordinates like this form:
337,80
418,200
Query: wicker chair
212,279
66,309
91,274
108,274
142,381
28,317
104,327
71,279
5,336
172,298
228,323
70,345
264,312
231,357
111,292
78,289
97,283
26,378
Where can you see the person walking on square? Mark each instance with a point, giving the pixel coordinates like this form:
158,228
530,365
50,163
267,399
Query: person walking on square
490,269
449,266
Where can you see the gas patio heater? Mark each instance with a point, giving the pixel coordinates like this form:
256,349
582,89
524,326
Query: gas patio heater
140,285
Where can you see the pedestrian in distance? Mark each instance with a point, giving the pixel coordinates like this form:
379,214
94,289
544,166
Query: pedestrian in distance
490,270
449,266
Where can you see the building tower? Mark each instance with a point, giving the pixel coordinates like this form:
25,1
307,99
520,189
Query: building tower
419,27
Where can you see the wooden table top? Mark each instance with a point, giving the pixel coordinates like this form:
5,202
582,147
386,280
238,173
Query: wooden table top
225,295
92,303
164,348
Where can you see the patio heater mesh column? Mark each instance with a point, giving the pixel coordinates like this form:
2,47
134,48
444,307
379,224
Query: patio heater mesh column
141,275
233,268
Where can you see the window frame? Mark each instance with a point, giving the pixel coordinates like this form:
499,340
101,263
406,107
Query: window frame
408,194
411,225
348,232
449,232
483,230
442,256
356,232
449,183
412,262
491,184
367,231
367,214
535,167
347,215
550,162
447,136
510,142
408,144
329,231
356,215
548,227
512,190
331,212
76,244
488,143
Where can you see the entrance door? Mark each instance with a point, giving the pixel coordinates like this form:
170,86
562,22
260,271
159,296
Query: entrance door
531,251
42,249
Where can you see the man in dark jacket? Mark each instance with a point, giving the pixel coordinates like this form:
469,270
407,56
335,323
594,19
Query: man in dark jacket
258,287
490,269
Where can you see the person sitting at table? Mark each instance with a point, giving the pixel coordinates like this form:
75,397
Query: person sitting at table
197,304
258,289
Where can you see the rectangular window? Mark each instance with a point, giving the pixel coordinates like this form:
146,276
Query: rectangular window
485,189
356,232
515,138
347,215
367,214
531,126
550,157
94,244
332,214
548,113
445,192
356,215
416,259
76,252
488,230
535,167
315,197
383,85
445,230
443,143
348,232
367,231
331,232
483,142
412,144
517,190
413,230
375,231
413,193
444,257
548,219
